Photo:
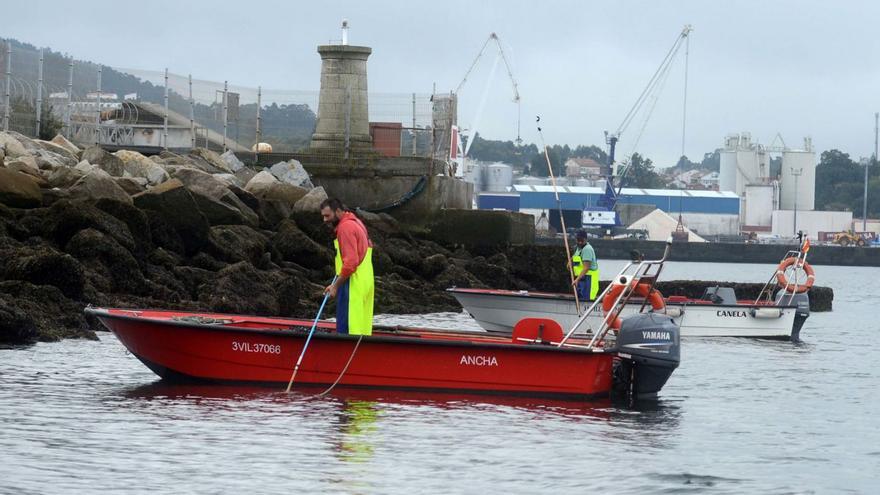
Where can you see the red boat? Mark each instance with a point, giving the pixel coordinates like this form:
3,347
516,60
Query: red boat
535,361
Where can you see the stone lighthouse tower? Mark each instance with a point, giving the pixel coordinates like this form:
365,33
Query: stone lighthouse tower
343,113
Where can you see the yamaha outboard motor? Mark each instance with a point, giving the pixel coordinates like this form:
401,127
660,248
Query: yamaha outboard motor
802,301
649,348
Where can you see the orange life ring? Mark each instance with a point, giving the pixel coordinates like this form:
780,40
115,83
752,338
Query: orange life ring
803,265
643,290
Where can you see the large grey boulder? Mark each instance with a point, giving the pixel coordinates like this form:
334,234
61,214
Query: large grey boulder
49,160
265,185
65,177
234,243
57,149
208,160
107,162
171,158
311,201
84,166
220,205
26,160
177,208
232,161
260,182
245,175
18,190
292,172
98,184
296,246
132,185
285,193
19,166
137,165
228,179
197,180
64,143
12,146
25,141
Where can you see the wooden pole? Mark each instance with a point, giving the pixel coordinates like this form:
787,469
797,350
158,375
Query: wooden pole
577,303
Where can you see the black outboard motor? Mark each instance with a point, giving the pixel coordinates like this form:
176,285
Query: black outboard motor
649,348
802,301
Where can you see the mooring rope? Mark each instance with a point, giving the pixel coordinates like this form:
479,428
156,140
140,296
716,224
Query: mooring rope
415,191
350,358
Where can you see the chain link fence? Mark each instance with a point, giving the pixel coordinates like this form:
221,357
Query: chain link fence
44,93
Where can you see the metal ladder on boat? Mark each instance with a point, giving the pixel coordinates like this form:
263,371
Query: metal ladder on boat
766,293
637,271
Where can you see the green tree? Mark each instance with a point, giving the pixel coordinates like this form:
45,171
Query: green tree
838,178
502,151
712,161
538,164
640,173
684,164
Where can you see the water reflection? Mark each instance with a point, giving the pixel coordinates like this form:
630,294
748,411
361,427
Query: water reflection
357,426
356,406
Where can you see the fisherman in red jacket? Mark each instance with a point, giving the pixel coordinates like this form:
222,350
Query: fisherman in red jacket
354,285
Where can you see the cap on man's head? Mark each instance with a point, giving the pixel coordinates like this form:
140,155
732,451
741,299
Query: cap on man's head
581,235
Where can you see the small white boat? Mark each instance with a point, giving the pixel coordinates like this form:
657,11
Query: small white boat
717,314
500,310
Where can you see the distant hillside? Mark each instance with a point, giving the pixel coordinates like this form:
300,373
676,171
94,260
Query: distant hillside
286,127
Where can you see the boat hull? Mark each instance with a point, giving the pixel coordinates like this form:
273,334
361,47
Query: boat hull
253,350
499,311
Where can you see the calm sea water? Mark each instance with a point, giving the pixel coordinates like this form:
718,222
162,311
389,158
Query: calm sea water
738,416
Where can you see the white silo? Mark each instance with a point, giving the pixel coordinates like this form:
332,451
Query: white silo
473,173
743,162
727,172
759,205
498,177
798,178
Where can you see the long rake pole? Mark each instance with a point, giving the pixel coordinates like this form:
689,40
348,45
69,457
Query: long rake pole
577,303
308,339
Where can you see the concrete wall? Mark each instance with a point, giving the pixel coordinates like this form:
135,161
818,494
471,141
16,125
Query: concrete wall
377,182
482,228
718,252
811,222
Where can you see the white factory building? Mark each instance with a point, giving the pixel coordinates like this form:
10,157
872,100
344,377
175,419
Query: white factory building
778,202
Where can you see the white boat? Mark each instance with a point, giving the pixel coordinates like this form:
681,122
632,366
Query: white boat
717,314
500,310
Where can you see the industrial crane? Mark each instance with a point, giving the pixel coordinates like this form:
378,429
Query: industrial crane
608,200
651,91
516,99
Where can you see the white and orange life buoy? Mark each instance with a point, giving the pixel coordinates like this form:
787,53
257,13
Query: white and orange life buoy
639,289
782,281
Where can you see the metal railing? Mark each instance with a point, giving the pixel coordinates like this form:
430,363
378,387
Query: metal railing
42,92
634,273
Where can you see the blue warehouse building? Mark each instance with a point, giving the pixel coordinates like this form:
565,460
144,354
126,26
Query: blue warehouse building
710,212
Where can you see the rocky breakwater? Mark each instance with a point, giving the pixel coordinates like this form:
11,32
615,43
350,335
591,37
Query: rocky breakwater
198,231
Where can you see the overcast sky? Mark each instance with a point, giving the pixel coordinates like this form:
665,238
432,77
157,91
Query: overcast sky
797,68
